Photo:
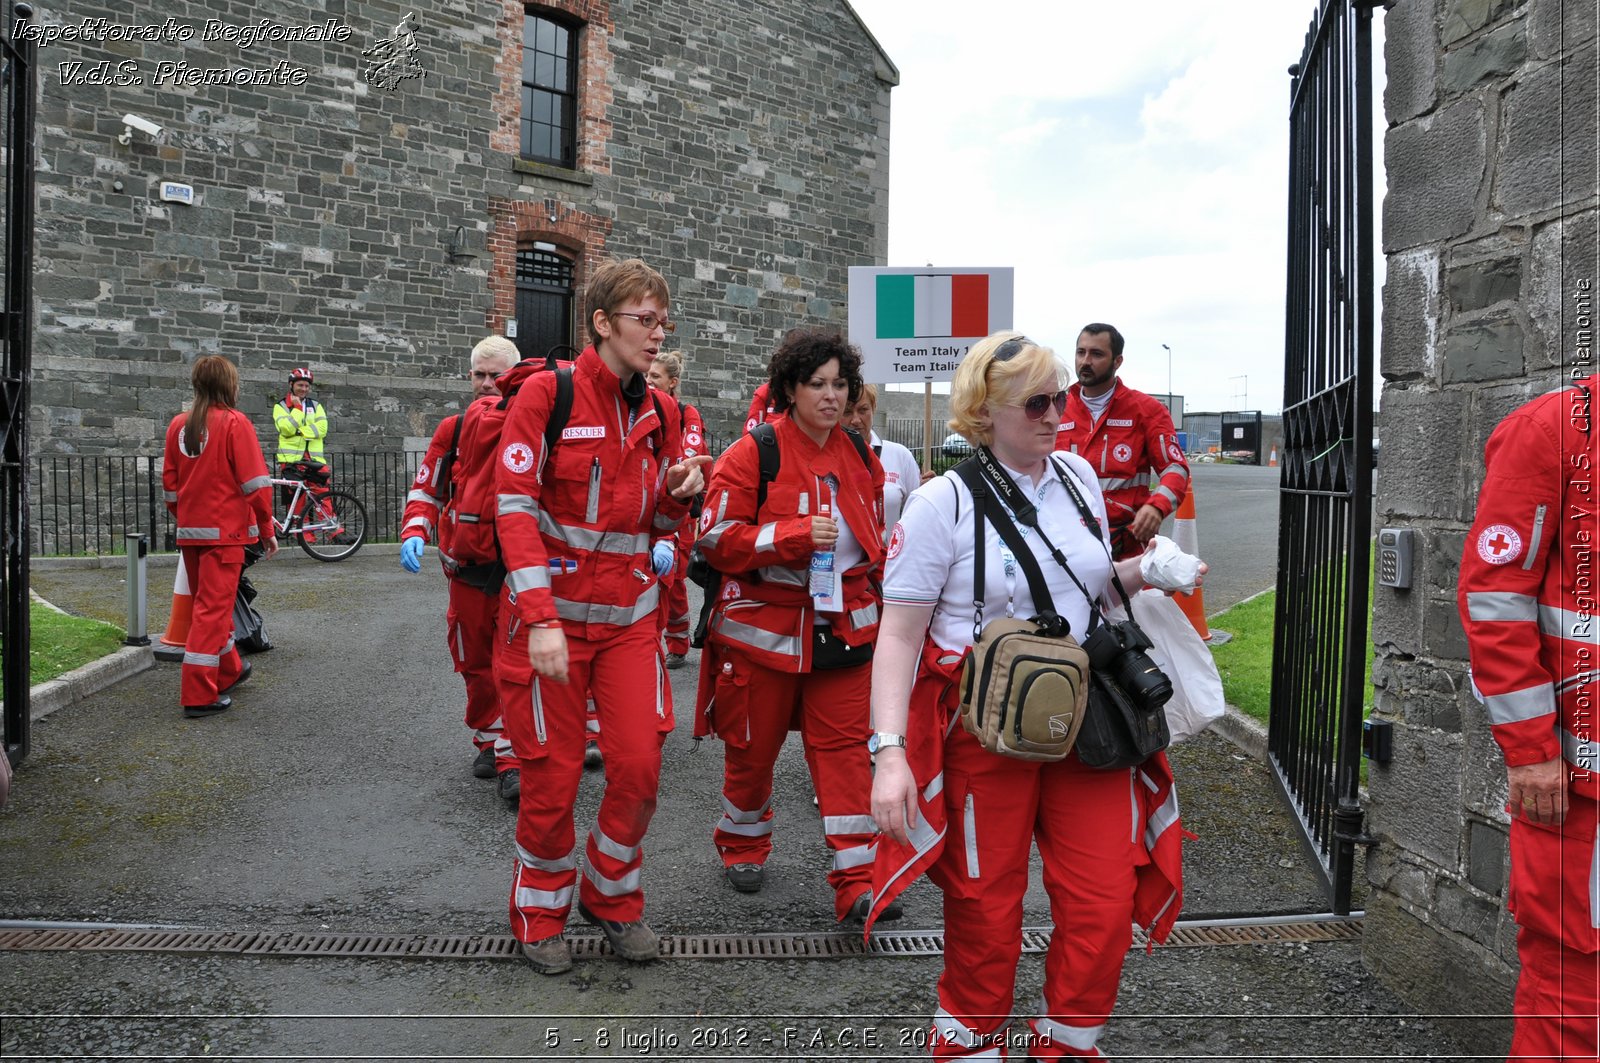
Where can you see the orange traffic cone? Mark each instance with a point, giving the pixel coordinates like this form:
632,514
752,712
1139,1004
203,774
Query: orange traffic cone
1272,460
177,634
1188,540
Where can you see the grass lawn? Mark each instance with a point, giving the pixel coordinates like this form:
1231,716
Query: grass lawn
60,643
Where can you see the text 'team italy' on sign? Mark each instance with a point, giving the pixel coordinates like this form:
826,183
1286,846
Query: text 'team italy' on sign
917,324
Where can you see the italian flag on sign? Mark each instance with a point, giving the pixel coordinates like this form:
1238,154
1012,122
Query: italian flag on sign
932,305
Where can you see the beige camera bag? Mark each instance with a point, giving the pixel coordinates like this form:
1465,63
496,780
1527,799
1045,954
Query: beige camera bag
1023,693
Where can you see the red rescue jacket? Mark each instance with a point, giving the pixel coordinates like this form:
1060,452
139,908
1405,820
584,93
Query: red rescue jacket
425,501
223,495
1134,436
575,525
1527,586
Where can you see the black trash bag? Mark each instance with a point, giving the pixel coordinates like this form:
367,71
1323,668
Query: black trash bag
249,629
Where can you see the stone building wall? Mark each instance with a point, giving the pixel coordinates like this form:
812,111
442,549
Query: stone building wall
1489,228
742,150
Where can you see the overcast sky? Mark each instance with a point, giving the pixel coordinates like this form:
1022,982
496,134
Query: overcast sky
1128,159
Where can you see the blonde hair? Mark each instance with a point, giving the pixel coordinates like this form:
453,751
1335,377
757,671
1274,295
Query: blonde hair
496,347
670,364
982,383
870,393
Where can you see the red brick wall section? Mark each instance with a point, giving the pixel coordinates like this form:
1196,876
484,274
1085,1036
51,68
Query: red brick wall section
594,78
577,234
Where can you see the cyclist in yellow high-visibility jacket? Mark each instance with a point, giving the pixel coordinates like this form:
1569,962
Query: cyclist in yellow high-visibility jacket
302,421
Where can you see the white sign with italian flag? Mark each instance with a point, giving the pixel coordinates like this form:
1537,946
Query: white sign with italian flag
917,324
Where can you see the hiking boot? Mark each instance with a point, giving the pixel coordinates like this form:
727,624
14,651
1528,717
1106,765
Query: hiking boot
593,759
244,674
510,786
632,941
483,764
676,660
195,711
549,956
863,905
746,878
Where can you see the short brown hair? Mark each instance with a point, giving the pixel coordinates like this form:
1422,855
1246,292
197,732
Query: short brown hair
616,283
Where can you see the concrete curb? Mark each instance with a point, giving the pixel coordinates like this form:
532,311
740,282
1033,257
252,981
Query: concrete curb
1243,731
81,683
287,551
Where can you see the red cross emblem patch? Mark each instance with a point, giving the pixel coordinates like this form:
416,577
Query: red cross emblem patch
518,457
1122,452
897,541
1499,544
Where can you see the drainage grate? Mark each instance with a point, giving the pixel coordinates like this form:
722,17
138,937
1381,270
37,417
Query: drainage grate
20,937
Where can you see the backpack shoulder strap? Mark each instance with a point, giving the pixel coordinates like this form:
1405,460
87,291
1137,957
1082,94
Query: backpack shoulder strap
861,446
447,464
771,458
561,412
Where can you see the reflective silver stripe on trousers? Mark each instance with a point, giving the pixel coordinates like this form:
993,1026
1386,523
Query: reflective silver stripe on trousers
420,522
1567,624
255,483
767,537
1580,754
1520,704
550,899
1581,679
771,641
203,660
952,1029
625,544
1080,1037
618,615
848,825
612,887
969,829
526,579
745,830
417,494
1161,819
199,533
508,504
855,856
539,863
614,849
1594,882
739,815
1492,606
934,788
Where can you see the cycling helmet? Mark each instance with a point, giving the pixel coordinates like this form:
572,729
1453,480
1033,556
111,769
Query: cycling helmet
301,373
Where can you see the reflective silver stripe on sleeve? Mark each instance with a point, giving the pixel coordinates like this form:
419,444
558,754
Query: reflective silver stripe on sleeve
848,825
508,504
783,575
1580,754
664,523
255,483
1167,493
538,863
203,660
1161,819
199,533
612,848
771,641
1569,624
526,579
855,856
1501,606
612,887
1116,484
1081,1038
170,496
549,899
419,522
767,537
714,536
252,531
1519,705
866,616
417,494
1173,468
1535,538
617,615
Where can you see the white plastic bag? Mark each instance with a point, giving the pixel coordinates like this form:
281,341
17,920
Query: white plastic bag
1197,699
1168,568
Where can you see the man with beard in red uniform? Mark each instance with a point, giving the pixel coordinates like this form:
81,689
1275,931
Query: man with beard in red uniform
1123,434
474,602
1527,598
578,613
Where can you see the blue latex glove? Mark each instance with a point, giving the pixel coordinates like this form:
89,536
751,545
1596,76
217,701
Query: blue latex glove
662,557
411,554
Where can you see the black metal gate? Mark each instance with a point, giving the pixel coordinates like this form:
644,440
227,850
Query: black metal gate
17,102
1325,530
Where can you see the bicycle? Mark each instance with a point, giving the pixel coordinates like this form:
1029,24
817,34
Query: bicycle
337,524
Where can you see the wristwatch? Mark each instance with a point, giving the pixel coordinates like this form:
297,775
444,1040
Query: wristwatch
880,739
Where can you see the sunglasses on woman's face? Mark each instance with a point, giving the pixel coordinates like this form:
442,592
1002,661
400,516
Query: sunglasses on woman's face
1037,404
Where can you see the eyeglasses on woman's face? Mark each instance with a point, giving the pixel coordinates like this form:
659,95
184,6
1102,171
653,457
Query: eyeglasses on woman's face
649,320
1036,405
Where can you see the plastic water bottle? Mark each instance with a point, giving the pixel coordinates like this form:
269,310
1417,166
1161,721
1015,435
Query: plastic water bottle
822,563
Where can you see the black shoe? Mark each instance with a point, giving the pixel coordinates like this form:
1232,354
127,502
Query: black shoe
676,661
510,786
483,766
212,709
863,905
244,673
632,941
746,878
593,759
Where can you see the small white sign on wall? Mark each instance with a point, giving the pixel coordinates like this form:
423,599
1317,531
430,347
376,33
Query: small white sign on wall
511,328
173,192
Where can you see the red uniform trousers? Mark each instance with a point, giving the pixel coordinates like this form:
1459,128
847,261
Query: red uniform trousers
1555,895
834,715
546,723
210,662
676,601
472,619
1087,824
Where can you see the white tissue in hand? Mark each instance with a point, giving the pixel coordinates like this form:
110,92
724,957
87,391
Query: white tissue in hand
1167,568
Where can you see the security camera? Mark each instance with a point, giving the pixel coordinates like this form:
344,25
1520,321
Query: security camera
130,122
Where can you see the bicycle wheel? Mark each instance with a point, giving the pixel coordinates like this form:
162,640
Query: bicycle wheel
334,527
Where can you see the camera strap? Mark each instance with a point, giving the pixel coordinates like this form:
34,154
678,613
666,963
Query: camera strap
1093,524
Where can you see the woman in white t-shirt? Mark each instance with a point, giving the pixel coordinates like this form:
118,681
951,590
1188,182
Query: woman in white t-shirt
901,473
969,816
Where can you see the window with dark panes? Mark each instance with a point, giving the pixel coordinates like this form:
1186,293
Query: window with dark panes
544,300
549,90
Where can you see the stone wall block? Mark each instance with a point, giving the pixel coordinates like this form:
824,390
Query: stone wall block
1468,913
1484,350
1462,18
1410,316
1560,25
1547,153
1482,284
1411,56
1435,169
1493,55
1487,857
1424,432
1417,796
1564,293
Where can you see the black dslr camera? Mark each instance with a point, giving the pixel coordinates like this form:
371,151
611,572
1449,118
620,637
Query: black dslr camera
1121,652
